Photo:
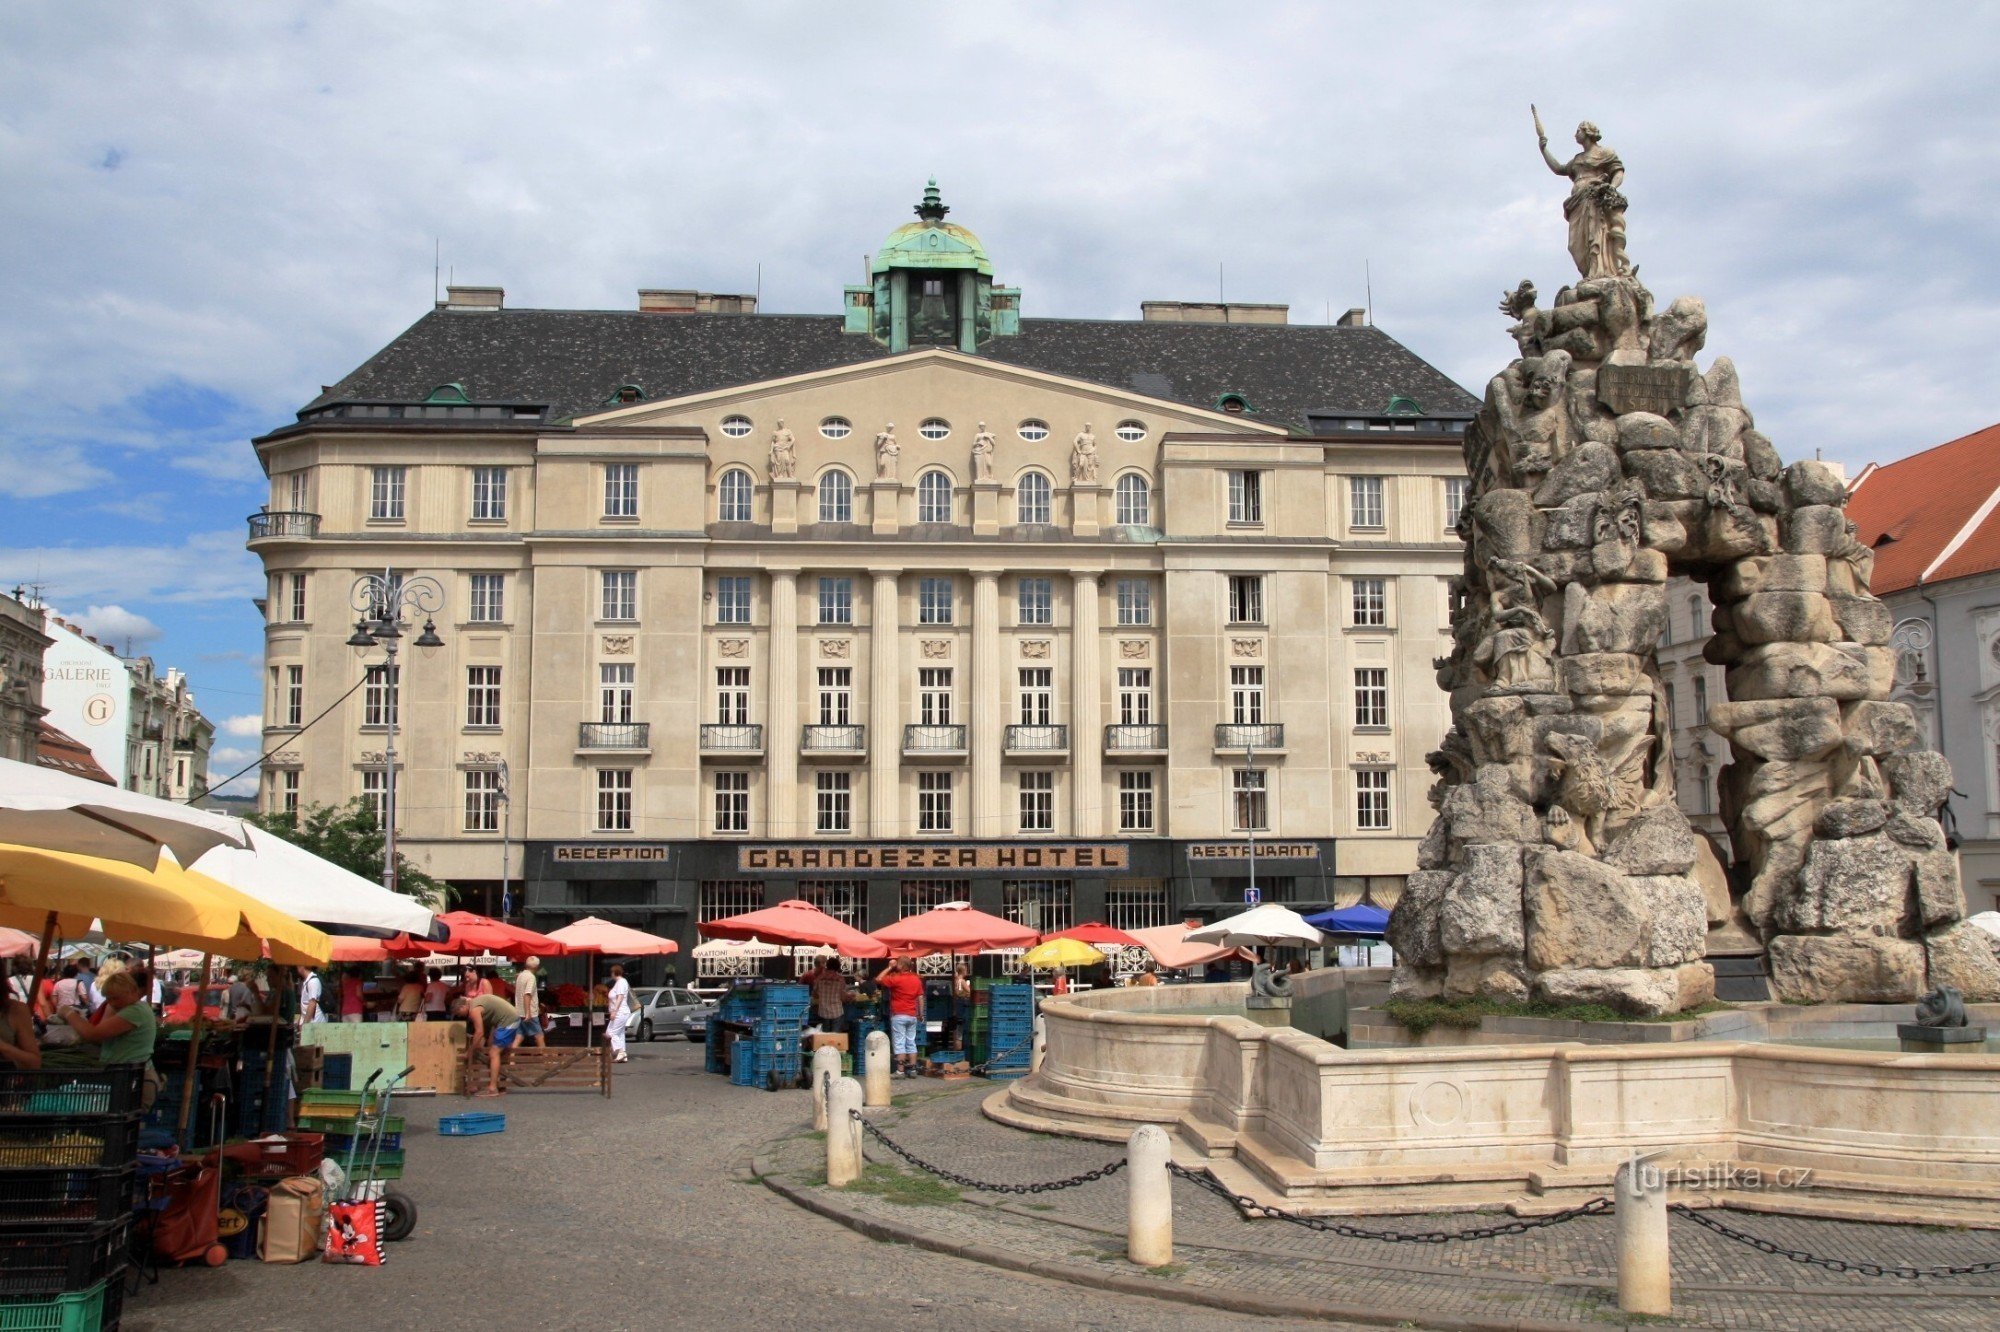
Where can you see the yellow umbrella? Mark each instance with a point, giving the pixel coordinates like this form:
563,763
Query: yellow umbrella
1060,952
260,931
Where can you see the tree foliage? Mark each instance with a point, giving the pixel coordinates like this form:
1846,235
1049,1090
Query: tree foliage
351,837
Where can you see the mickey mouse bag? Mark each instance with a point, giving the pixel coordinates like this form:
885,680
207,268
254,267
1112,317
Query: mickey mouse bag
353,1233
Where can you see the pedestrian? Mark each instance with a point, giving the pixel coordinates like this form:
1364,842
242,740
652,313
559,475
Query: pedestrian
829,995
961,1005
618,1010
19,1047
1149,976
86,984
410,997
528,998
242,998
495,1024
353,998
437,997
906,1012
312,1004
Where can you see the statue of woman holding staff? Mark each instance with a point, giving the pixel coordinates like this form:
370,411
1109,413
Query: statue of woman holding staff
1595,208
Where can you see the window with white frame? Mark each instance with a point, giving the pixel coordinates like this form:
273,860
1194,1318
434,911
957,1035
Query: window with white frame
732,695
1370,599
301,490
934,601
1033,431
836,427
1137,904
733,495
489,494
934,802
1038,802
385,494
1034,598
297,583
1672,724
1697,622
1135,802
1135,602
1371,698
482,800
917,896
1456,488
1246,695
614,800
614,692
1131,431
1032,502
1249,799
934,696
732,801
1246,497
933,497
732,599
717,898
375,794
1701,700
482,697
1039,904
378,696
736,427
833,802
488,602
618,597
1364,502
1371,799
846,900
836,601
1037,695
1135,696
621,490
836,696
1135,501
295,696
836,498
935,428
1246,599
288,791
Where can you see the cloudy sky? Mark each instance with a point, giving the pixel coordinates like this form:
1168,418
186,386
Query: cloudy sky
213,209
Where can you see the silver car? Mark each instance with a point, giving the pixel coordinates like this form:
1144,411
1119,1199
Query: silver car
661,1012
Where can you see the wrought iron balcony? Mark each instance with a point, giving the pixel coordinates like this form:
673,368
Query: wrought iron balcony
733,738
1135,739
934,740
1265,735
283,523
847,741
614,735
1042,740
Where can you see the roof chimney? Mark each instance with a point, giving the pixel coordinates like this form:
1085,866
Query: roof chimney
475,298
1355,318
675,301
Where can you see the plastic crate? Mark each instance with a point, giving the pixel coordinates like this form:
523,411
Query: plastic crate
82,1142
85,1195
744,1073
472,1124
387,1166
71,1092
77,1311
62,1259
326,1103
278,1158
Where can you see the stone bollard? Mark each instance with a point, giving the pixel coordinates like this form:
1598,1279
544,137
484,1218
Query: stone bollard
1149,1198
826,1060
1041,1045
875,1077
1645,1267
843,1133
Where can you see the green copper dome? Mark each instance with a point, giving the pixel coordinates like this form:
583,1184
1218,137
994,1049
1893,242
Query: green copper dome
932,242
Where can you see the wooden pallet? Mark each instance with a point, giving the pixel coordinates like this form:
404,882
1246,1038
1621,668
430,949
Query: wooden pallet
557,1068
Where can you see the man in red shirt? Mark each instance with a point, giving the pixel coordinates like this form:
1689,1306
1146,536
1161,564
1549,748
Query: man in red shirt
905,989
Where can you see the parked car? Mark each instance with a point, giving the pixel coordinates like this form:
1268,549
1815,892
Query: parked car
662,1011
695,1025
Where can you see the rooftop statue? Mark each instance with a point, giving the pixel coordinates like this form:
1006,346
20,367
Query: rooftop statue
1595,208
982,454
887,451
784,453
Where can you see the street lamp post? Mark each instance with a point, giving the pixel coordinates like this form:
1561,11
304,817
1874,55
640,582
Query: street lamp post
506,844
382,600
1250,823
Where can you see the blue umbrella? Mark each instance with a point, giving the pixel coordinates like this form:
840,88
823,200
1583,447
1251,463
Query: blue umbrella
1363,918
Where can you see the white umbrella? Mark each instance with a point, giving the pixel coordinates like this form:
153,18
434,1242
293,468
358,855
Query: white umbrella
1258,927
735,948
301,884
54,811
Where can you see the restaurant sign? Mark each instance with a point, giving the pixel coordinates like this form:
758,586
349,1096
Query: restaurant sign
618,851
942,856
1265,851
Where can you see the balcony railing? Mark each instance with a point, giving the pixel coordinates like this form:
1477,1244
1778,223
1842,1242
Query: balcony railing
740,738
1266,735
934,739
283,523
614,735
833,740
1037,739
1131,739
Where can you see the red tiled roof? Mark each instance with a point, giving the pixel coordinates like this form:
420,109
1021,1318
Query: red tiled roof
58,750
1911,511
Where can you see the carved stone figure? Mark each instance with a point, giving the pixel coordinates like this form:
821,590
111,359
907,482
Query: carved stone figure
1595,208
1583,787
1269,984
887,451
1083,458
1539,437
1942,1007
982,454
784,453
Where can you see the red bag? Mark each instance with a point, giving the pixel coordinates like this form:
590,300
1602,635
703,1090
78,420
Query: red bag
353,1233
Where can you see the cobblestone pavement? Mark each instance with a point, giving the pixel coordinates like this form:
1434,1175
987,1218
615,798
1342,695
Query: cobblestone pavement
630,1213
1563,1273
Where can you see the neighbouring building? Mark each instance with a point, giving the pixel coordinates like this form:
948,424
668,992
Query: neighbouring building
22,643
919,602
140,724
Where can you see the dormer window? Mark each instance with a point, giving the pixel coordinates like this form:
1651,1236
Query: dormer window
628,393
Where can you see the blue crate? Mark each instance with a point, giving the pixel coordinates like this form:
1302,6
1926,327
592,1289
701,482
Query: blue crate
745,1073
472,1124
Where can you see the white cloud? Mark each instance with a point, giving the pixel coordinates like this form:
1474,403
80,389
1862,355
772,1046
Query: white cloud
206,566
249,724
125,630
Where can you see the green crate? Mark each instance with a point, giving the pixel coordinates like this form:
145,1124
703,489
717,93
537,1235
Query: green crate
80,1311
342,1124
320,1103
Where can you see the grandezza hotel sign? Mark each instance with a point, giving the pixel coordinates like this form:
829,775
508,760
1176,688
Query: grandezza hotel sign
1068,856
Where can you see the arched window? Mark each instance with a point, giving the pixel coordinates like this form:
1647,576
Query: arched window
1135,501
733,497
1031,499
934,497
836,498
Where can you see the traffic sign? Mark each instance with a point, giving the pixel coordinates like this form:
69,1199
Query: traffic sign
1252,896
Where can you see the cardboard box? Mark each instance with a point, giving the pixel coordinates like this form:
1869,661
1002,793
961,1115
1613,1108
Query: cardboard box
437,1054
836,1040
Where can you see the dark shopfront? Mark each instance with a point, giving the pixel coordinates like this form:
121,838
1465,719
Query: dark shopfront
665,888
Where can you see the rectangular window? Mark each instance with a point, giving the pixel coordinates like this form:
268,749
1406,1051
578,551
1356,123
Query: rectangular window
1672,724
1456,488
1364,502
620,595
1135,802
836,601
614,800
732,802
1135,601
301,491
934,696
1701,700
836,696
1037,696
489,599
1039,904
920,895
297,608
489,494
717,898
614,692
1371,799
732,600
295,696
1038,802
1371,697
833,802
846,900
378,698
482,800
1135,696
482,696
375,794
934,601
1246,695
1246,497
1246,599
732,695
385,495
934,802
1034,599
1137,904
621,490
1371,602
1249,801
288,791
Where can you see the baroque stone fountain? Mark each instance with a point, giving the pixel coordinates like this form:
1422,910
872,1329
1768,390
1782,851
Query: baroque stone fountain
1559,867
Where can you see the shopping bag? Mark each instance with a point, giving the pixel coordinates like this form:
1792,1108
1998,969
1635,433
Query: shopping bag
353,1233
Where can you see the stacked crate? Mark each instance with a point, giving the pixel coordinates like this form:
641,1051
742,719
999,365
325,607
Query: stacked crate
69,1150
769,1056
1010,1030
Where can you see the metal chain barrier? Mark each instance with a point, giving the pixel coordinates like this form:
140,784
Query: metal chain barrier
967,1182
1250,1207
992,1059
1906,1272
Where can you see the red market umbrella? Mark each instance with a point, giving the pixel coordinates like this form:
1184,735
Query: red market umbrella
593,934
953,928
795,924
1092,932
475,934
347,948
1169,947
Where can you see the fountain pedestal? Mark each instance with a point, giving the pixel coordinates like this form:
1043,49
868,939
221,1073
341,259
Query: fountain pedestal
1920,1039
1268,1010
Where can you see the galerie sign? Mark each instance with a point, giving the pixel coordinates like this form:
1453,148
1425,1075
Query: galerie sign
945,856
1265,851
